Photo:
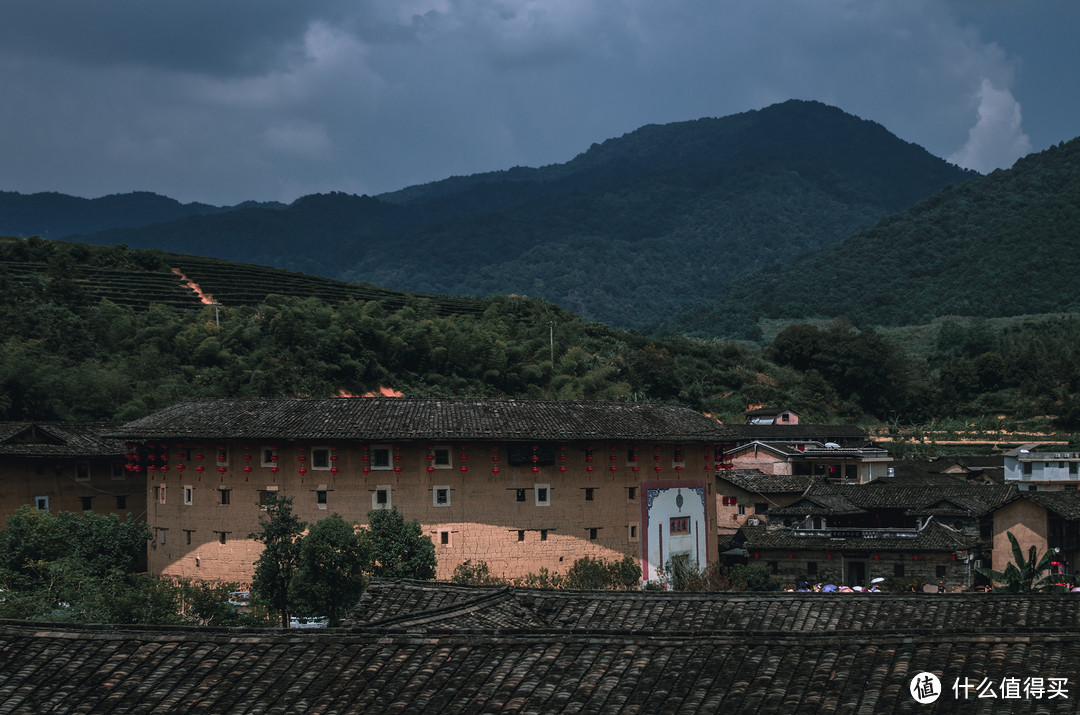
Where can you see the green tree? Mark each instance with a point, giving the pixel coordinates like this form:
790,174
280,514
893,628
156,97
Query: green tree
397,548
590,573
330,569
280,532
1025,575
468,573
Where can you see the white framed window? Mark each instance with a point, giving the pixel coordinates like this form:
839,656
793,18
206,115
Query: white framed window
543,494
189,494
443,457
161,494
42,504
82,471
269,456
321,494
381,498
381,457
440,496
117,471
320,458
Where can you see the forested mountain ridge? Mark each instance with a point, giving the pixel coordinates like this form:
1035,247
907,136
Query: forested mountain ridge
630,232
53,215
1001,245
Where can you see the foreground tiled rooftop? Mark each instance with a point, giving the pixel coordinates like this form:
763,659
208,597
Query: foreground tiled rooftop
376,418
440,648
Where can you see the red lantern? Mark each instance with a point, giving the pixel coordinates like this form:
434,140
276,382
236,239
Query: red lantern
221,470
200,469
302,470
247,469
180,467
494,470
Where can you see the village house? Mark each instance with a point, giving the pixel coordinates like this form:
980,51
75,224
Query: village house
829,460
67,466
1034,467
1047,520
744,497
521,485
851,534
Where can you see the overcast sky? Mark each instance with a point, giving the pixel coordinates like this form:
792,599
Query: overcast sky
227,100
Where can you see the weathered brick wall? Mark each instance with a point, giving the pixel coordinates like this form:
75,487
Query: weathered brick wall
24,479
484,519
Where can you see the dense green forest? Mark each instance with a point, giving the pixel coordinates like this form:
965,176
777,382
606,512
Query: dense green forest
630,232
1002,245
67,357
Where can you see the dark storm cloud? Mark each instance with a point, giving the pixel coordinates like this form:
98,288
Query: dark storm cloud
226,101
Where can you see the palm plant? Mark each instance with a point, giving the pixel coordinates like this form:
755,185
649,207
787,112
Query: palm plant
1026,575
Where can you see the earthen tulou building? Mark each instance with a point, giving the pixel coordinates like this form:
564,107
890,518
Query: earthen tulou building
521,485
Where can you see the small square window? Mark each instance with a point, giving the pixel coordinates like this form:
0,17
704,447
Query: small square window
320,458
121,502
226,498
442,458
161,535
82,471
187,535
189,495
221,536
380,457
444,538
266,498
161,494
320,497
589,493
594,533
520,494
381,497
521,534
742,510
117,470
543,495
440,496
87,503
42,504
269,456
543,534
631,493
631,532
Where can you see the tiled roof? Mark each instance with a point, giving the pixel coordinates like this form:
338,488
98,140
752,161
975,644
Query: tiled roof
976,499
1064,504
597,652
60,439
754,481
375,418
935,537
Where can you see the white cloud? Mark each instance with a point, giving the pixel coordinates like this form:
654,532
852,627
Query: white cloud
997,139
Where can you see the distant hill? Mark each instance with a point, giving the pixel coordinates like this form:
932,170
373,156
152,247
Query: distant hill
1002,245
630,232
86,274
53,215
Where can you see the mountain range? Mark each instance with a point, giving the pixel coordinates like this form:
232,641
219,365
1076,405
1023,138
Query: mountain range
631,232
